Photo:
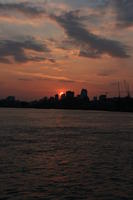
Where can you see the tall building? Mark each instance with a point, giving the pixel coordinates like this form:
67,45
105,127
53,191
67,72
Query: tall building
69,94
11,98
84,94
56,97
102,97
63,96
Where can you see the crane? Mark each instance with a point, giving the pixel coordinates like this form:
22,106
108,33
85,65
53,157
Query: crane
127,88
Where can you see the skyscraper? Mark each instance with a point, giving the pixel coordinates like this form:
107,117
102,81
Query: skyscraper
84,94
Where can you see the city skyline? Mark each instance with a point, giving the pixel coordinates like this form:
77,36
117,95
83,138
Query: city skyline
68,100
49,47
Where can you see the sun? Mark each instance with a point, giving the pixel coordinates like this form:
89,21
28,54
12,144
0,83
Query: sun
61,93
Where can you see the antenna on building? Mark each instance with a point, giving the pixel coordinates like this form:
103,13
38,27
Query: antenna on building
119,90
127,88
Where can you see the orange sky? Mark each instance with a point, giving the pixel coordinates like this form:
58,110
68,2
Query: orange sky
54,46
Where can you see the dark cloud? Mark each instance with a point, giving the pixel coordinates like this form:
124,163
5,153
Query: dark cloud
124,12
16,50
89,53
58,79
90,44
62,80
24,7
84,3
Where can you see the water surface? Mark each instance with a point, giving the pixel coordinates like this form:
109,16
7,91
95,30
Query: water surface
65,154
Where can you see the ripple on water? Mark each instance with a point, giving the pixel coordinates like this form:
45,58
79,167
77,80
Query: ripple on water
56,154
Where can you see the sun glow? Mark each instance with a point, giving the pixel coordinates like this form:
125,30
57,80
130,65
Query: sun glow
61,93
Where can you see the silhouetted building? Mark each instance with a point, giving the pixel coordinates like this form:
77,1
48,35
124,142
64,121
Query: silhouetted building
51,99
56,97
10,98
69,101
63,96
69,95
103,97
84,94
94,98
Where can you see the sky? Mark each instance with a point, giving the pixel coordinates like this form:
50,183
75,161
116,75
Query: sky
50,46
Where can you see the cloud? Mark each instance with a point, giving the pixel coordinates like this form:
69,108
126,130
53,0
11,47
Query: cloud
4,60
84,3
16,49
90,45
124,12
89,53
24,79
29,76
23,7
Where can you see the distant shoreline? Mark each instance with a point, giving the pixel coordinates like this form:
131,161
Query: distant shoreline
69,101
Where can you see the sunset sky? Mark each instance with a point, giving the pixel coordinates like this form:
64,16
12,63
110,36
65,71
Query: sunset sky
50,46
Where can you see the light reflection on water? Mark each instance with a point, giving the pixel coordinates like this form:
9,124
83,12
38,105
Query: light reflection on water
62,154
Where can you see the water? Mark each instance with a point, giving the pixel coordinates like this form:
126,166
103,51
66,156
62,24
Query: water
64,155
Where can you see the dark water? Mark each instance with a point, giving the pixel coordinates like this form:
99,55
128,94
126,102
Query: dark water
58,155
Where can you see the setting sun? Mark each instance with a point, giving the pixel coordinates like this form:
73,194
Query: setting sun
61,93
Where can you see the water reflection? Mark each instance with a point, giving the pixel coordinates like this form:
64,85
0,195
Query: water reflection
49,154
